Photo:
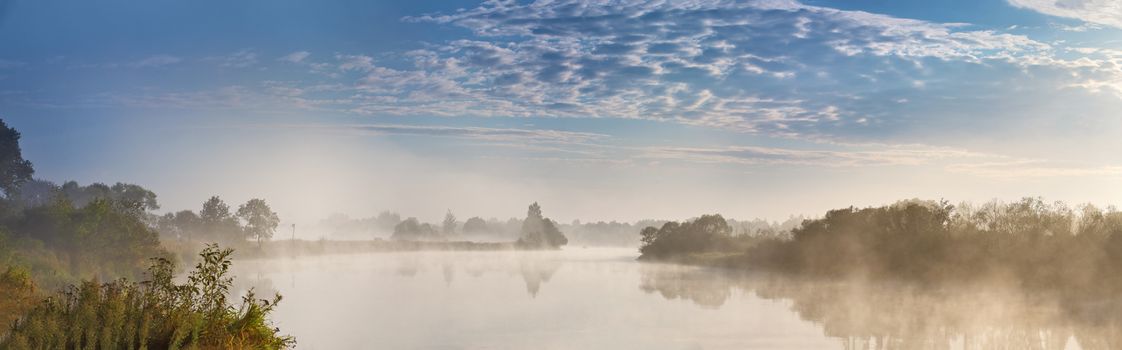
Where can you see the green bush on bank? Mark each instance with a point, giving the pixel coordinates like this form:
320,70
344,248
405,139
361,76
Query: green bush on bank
154,314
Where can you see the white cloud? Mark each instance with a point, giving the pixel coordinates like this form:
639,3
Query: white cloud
1104,12
7,64
755,155
1034,169
156,61
241,59
478,133
296,57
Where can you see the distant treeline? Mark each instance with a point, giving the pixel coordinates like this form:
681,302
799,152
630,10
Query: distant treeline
1029,242
535,231
600,233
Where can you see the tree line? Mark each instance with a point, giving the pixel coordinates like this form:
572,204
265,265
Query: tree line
1035,243
536,231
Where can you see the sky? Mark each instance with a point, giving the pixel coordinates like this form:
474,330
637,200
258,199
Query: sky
599,110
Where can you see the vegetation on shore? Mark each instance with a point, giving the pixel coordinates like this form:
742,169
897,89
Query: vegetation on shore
154,314
69,237
1029,243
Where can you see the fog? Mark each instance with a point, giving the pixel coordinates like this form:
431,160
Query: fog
604,299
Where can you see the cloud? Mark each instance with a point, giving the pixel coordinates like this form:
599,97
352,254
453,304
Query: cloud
241,59
775,68
1034,169
1104,12
355,62
470,132
701,62
155,61
755,155
7,64
296,57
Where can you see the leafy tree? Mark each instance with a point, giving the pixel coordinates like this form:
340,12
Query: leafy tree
35,193
14,170
412,229
706,233
183,224
449,224
260,220
475,225
132,198
218,223
539,231
386,221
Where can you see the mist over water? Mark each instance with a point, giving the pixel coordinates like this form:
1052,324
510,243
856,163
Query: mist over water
602,298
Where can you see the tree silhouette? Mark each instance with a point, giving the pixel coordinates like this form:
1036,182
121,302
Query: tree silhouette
217,221
539,231
260,220
14,170
449,224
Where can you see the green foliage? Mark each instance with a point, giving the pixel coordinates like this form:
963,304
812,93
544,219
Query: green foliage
1030,242
155,314
102,239
704,234
539,231
131,198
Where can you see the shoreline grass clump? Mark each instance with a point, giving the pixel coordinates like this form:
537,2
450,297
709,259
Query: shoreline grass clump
154,314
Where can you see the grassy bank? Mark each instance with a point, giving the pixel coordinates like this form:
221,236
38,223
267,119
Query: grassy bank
154,314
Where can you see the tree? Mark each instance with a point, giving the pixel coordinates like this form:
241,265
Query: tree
704,234
134,197
184,224
217,222
260,220
449,224
35,193
539,231
412,229
475,225
14,170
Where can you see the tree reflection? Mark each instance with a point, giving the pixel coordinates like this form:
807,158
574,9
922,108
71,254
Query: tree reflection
881,315
536,271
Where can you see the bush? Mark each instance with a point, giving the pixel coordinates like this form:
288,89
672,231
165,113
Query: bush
156,313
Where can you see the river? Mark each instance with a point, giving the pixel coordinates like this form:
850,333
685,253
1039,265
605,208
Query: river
604,299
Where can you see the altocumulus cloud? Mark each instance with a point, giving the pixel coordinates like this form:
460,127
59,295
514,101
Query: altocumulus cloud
469,132
713,63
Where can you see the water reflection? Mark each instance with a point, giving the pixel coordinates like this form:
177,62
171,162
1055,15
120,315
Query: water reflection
536,271
535,268
606,300
879,315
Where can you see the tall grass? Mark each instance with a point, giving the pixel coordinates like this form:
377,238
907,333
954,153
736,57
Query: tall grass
154,314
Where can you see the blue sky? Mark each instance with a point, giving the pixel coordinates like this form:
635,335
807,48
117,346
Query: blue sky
598,109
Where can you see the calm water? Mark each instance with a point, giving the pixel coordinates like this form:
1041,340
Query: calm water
603,299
